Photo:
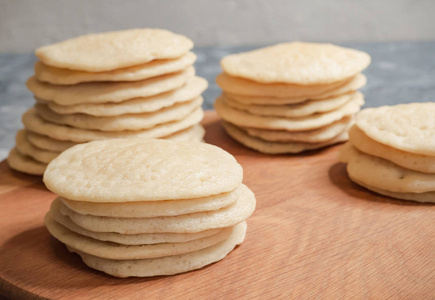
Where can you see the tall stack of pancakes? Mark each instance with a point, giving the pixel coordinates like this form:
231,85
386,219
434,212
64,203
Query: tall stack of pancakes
291,97
136,207
391,151
135,83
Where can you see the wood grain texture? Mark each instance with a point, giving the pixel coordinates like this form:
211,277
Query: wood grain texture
314,235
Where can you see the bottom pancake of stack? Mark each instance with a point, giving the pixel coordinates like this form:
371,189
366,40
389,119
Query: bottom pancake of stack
391,151
150,232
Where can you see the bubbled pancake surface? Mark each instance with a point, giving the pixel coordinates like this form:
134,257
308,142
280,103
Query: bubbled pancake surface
297,63
114,50
408,127
139,170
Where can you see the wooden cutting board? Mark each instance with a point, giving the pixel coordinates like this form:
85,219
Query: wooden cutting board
314,235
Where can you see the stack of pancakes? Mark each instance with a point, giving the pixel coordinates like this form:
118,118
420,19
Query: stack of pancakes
136,207
391,151
291,97
135,83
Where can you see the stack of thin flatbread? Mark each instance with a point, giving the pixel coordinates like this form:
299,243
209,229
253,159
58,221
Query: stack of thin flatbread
137,207
135,83
291,97
391,151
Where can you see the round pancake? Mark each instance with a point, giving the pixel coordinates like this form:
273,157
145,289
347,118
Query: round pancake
128,239
103,92
192,89
27,149
123,170
299,110
319,135
151,69
385,175
190,223
47,143
245,119
175,112
111,250
297,63
240,86
33,122
151,209
357,82
407,127
407,160
24,163
166,265
114,50
419,197
277,147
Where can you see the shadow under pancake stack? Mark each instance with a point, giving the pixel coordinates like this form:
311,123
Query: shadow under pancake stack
291,97
136,83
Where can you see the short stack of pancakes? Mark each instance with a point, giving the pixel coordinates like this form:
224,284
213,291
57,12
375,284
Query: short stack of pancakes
135,83
148,207
391,151
291,97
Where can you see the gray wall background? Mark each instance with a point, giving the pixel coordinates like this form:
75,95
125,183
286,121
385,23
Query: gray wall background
28,24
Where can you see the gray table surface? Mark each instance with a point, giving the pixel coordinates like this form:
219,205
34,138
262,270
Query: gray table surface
400,72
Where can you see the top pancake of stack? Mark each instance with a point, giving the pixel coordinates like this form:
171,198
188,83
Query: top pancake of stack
114,50
291,70
142,170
